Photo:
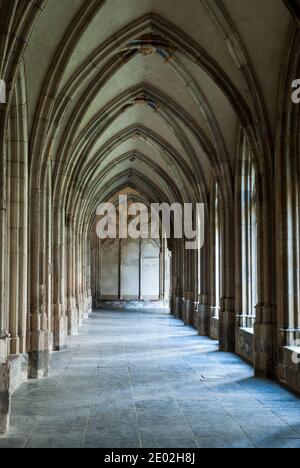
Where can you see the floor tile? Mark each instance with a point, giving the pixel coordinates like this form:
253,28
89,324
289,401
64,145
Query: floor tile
142,378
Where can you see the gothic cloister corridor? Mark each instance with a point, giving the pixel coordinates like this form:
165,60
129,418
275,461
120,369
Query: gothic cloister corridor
150,223
143,379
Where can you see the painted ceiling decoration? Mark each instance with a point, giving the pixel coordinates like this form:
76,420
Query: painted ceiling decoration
150,44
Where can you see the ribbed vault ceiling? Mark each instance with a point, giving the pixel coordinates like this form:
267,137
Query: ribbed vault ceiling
150,94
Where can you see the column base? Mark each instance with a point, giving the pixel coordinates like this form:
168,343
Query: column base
38,356
72,314
183,310
38,364
172,304
49,341
264,342
5,397
80,304
203,316
88,303
178,307
60,330
189,312
227,325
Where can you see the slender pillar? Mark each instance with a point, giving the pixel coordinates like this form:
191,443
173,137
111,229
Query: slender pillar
227,303
72,312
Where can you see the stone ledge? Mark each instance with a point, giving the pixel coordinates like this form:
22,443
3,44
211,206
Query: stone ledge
18,371
288,370
244,342
133,305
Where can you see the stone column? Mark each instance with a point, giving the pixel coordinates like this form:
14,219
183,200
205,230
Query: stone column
48,264
189,296
265,356
227,305
264,335
179,280
72,312
84,272
204,310
78,266
162,271
13,246
214,310
185,283
98,268
23,254
173,280
203,307
59,305
38,352
87,272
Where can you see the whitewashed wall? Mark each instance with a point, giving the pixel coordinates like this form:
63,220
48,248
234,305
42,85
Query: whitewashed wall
130,270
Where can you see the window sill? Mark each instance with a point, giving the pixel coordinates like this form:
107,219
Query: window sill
247,330
293,349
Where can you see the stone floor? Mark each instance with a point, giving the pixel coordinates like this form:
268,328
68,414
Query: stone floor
142,379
